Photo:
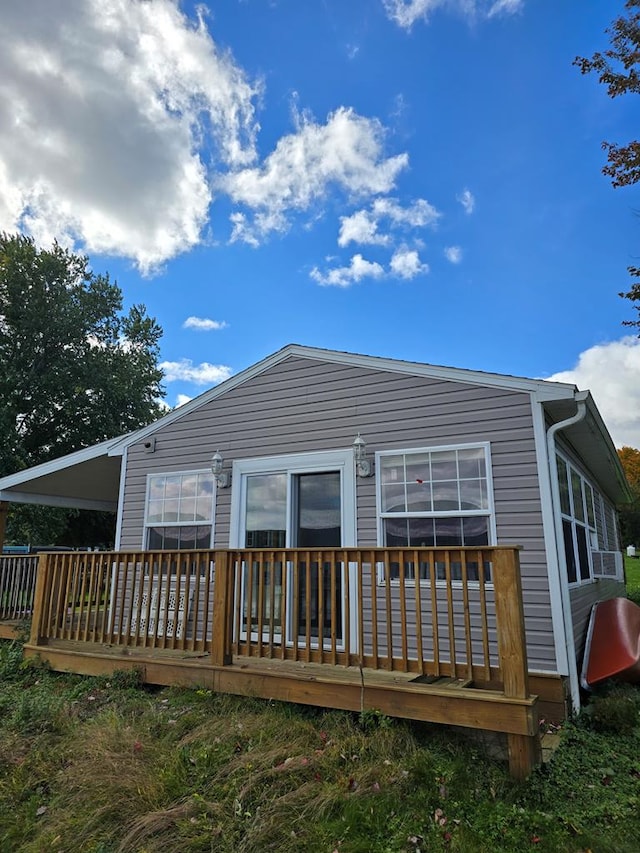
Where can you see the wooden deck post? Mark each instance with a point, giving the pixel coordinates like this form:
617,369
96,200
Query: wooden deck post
524,750
4,509
39,599
222,600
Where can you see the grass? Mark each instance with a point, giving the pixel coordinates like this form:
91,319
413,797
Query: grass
109,766
632,574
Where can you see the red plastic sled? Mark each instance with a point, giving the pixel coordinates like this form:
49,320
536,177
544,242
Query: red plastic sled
612,649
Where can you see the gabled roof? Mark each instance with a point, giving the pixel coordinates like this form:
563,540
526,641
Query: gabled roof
542,389
89,478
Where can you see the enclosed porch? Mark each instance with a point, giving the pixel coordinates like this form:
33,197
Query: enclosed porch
426,634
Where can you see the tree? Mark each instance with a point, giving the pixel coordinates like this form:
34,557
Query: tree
630,513
74,369
619,70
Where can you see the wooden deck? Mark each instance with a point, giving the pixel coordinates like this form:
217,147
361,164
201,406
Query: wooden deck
397,694
426,634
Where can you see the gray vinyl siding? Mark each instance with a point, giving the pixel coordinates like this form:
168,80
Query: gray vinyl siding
304,405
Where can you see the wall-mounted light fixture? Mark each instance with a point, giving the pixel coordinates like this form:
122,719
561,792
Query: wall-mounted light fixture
221,477
363,465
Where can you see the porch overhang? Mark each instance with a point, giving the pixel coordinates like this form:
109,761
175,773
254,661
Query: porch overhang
87,479
590,439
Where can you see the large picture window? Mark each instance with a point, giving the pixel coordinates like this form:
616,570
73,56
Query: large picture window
179,511
438,497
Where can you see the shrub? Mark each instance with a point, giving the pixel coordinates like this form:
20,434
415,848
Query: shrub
617,713
10,661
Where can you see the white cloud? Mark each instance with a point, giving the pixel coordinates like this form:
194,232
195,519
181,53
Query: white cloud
612,373
406,12
358,269
181,399
346,152
200,374
467,200
255,231
507,7
453,254
104,105
406,264
416,215
203,324
362,226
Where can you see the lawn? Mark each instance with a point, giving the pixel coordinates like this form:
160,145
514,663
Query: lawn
107,765
632,574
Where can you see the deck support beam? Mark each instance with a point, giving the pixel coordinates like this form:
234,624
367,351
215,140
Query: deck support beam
525,753
221,635
524,750
307,684
40,600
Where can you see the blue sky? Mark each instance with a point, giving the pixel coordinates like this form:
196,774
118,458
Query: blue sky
418,179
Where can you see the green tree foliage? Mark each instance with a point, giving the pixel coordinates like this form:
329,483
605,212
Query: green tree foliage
630,513
619,70
74,369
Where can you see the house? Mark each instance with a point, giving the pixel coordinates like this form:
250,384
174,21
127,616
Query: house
370,513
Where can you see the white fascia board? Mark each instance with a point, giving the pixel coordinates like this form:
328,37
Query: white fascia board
202,400
545,390
55,465
54,500
432,371
120,509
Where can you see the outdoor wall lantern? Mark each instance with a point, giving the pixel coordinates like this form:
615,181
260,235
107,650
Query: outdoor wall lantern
363,465
221,477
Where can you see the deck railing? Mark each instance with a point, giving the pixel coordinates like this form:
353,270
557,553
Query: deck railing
17,586
436,612
414,610
159,600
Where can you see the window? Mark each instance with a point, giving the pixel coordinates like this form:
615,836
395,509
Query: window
589,528
179,511
439,497
578,521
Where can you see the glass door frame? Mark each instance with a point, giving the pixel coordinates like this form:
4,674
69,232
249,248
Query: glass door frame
341,461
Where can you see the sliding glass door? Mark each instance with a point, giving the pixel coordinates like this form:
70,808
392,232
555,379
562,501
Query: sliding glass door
317,524
303,509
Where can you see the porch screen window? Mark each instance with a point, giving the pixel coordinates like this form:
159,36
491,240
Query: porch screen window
435,498
179,511
578,521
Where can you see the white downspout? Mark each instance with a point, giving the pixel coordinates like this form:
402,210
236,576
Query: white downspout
574,684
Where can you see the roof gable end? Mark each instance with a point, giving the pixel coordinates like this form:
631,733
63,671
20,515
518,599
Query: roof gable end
540,388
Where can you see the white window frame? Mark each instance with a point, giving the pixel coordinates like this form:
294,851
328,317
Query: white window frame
489,513
292,465
188,473
591,532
